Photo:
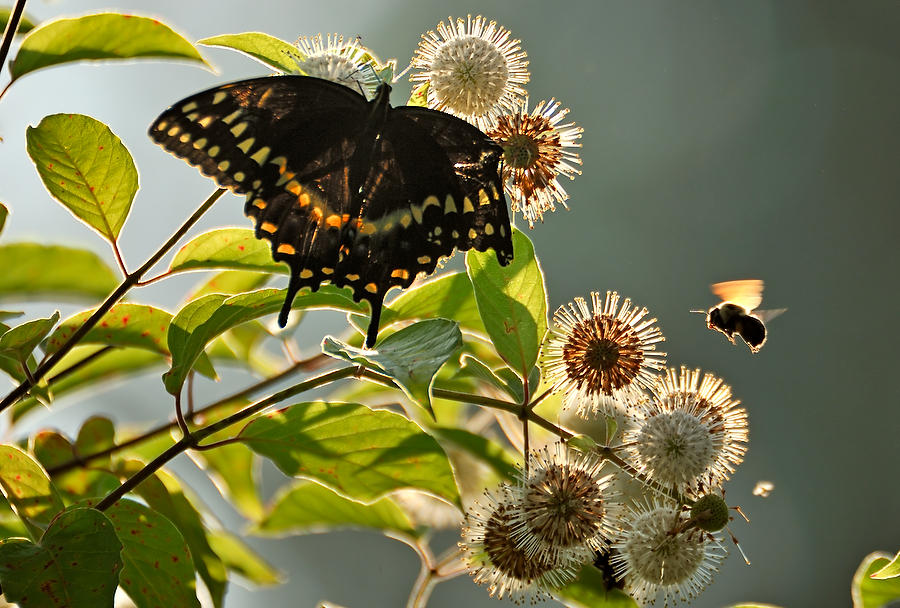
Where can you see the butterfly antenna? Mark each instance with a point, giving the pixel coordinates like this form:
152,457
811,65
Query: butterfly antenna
372,332
702,312
292,289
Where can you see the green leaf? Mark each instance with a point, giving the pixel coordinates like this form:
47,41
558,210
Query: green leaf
868,592
241,559
361,453
589,591
502,462
419,95
164,494
98,433
26,23
111,365
512,302
20,341
4,213
31,270
100,36
449,296
310,508
86,168
271,51
891,570
411,356
203,319
157,563
76,564
502,379
230,282
52,450
135,325
28,489
230,248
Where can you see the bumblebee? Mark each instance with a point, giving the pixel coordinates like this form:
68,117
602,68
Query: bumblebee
737,314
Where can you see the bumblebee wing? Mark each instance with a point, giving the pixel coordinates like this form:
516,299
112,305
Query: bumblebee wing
746,293
767,315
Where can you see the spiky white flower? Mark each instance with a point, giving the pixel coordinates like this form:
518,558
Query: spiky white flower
496,561
474,69
691,435
345,62
657,554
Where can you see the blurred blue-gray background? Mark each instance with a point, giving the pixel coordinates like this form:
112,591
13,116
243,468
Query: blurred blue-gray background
722,140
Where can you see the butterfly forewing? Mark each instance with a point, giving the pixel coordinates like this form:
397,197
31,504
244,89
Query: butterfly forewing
347,191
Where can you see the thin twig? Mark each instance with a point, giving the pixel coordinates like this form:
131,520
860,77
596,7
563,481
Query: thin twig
79,364
12,26
310,363
127,283
192,438
190,394
179,416
119,260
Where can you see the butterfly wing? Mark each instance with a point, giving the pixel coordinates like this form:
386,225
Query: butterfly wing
472,211
745,293
287,142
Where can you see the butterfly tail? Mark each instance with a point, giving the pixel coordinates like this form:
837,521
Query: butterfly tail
372,332
292,289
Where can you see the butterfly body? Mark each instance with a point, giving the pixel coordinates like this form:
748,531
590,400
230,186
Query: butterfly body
348,191
736,314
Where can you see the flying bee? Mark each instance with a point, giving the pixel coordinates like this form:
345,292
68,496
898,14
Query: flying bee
737,315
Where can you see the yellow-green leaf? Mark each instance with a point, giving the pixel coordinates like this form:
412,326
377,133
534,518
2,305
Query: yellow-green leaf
48,272
28,489
86,168
308,507
100,36
26,23
512,302
269,50
361,453
228,248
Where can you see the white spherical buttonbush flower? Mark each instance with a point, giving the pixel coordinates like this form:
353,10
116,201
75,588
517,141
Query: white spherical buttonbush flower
691,434
657,554
474,69
345,62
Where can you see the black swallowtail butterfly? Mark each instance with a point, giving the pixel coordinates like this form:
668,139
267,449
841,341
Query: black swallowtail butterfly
348,191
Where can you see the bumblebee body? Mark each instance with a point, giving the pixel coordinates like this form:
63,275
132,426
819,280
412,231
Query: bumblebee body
735,315
732,319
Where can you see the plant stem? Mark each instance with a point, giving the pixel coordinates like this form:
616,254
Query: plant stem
12,27
127,283
263,384
78,365
497,404
192,438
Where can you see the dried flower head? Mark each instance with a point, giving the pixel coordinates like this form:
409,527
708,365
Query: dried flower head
656,553
605,350
345,62
566,505
691,435
495,560
473,67
537,149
